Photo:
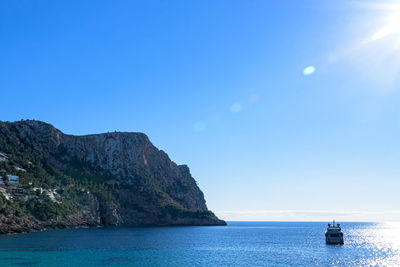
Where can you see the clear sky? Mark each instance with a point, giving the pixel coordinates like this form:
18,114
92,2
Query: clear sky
283,110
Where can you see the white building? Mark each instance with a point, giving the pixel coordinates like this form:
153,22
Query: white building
19,169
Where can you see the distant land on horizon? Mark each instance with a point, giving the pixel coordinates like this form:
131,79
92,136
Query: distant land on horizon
53,180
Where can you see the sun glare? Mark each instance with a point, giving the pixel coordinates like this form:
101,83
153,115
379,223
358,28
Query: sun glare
372,49
389,25
392,28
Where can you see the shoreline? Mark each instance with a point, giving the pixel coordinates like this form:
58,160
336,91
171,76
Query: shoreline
33,230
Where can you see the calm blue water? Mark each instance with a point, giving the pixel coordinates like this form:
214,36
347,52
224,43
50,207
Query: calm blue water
238,244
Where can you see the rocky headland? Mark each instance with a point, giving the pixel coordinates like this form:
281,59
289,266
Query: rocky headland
54,180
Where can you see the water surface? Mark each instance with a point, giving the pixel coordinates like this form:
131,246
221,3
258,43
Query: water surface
238,244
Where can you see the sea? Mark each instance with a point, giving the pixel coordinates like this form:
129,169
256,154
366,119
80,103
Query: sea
237,244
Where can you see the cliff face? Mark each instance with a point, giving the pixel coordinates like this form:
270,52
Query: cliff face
130,157
113,178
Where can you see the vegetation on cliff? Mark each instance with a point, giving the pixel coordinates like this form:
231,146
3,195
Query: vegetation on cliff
105,179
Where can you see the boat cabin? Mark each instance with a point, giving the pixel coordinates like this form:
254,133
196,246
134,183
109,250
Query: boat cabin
334,235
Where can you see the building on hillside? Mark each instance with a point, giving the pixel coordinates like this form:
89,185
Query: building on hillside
3,157
4,193
38,189
19,169
16,192
12,179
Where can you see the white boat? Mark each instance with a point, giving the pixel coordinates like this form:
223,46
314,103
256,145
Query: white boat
334,235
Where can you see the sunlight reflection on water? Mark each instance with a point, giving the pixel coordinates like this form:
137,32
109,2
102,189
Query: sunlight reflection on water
382,240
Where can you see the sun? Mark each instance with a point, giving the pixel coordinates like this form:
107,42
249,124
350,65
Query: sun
389,24
373,49
393,27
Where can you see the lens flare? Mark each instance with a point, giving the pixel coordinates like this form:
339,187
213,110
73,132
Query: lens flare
236,107
309,70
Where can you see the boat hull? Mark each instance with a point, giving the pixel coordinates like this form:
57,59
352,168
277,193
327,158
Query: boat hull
334,240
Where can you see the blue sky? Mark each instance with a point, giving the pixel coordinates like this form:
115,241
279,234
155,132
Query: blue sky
221,86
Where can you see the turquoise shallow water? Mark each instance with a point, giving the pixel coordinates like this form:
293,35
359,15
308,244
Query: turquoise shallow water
238,244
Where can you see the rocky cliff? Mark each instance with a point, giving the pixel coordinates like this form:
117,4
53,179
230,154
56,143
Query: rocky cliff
102,179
